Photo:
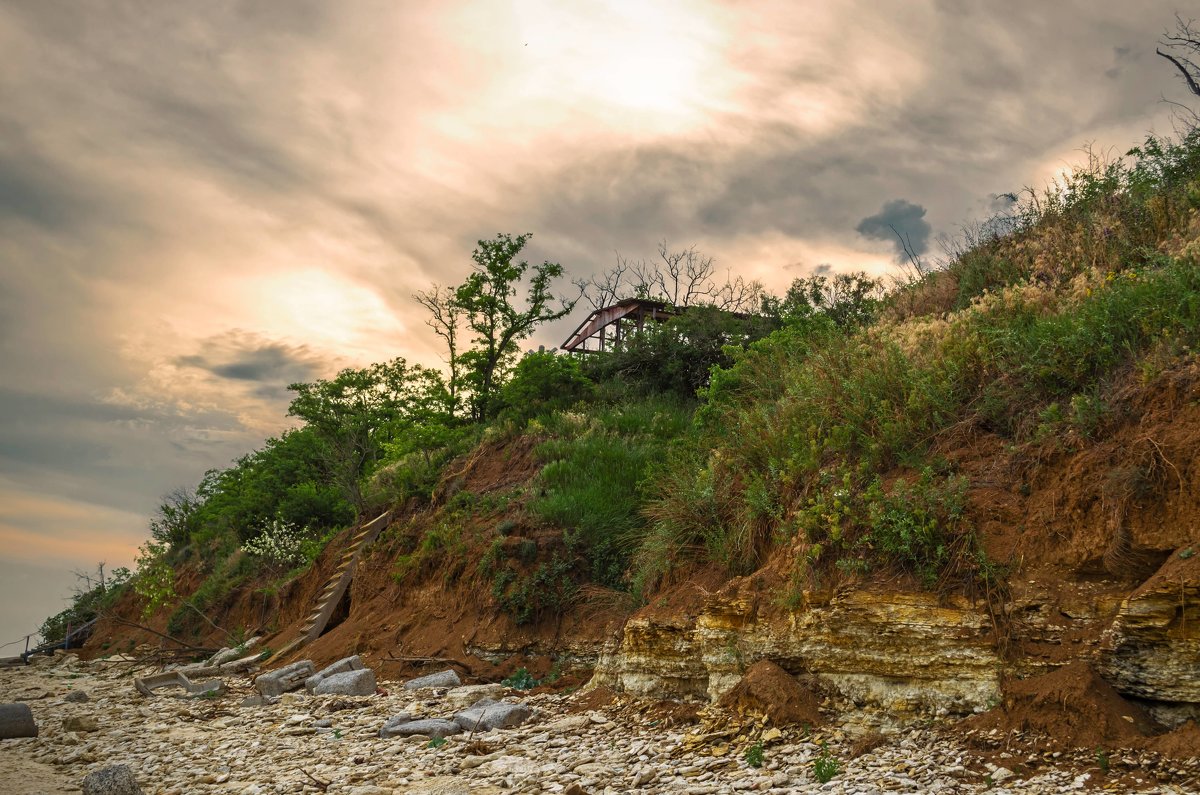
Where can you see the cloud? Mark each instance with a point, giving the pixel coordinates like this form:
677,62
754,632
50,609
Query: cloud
270,366
900,223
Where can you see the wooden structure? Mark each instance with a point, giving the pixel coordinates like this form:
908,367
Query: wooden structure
339,581
605,328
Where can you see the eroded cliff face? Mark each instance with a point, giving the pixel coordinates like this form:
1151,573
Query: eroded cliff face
913,653
1152,648
906,652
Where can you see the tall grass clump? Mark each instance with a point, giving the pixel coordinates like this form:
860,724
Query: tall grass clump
594,464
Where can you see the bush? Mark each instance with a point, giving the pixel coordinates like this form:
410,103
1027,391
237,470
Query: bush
543,382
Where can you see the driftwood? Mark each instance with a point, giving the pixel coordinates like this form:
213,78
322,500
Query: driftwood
408,659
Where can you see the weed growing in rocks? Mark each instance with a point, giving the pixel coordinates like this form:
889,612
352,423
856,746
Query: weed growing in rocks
754,755
825,766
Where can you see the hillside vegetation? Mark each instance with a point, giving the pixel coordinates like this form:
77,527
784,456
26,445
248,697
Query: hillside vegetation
817,432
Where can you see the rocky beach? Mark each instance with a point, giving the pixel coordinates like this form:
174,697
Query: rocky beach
90,717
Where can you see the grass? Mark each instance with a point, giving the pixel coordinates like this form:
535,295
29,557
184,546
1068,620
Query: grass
834,436
592,474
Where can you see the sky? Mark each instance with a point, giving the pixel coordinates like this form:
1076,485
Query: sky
201,203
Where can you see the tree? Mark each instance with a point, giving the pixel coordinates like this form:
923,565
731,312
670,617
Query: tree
488,301
1182,50
848,299
445,318
680,278
176,518
359,411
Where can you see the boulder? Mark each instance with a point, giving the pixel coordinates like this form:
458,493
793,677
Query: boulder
398,719
434,728
76,697
81,723
348,683
354,663
393,722
447,678
281,680
242,664
486,715
467,695
16,720
115,780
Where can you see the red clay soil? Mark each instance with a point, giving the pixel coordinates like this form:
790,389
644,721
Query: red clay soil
595,698
766,689
1109,508
1071,707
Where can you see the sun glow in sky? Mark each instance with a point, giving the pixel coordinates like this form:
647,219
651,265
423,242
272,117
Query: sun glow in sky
202,203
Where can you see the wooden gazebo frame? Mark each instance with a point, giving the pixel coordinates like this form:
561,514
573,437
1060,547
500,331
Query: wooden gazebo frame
608,326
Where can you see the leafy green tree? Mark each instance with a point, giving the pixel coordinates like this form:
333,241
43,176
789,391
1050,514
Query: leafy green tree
677,356
488,299
359,411
847,299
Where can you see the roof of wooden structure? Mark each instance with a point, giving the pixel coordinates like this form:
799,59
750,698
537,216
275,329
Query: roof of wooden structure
636,310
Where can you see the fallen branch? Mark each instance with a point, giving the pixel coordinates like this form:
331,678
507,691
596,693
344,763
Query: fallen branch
405,658
324,785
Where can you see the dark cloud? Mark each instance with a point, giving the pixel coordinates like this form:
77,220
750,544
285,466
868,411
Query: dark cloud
900,223
268,366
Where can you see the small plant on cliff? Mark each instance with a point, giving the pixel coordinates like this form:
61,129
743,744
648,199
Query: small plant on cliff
520,679
825,766
155,579
754,755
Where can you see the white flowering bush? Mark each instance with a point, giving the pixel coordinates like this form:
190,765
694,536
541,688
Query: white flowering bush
279,542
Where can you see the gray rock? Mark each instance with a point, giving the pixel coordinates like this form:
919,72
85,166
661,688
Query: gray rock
255,700
354,663
434,727
447,678
399,719
16,720
243,663
77,697
348,683
115,780
281,680
486,715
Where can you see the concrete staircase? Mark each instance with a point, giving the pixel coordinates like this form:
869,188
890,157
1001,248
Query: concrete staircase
337,584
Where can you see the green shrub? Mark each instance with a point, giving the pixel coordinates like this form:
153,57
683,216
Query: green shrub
543,382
